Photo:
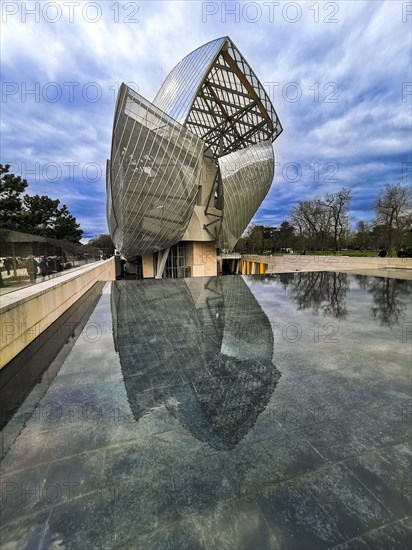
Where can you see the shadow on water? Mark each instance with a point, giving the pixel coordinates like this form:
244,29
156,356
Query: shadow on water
202,348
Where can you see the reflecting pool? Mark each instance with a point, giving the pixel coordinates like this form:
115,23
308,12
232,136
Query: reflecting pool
228,412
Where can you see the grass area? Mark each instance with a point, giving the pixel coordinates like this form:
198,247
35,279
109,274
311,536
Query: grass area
351,253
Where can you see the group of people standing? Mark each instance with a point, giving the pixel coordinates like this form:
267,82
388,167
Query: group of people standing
32,266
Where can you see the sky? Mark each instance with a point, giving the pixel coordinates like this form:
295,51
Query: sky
338,74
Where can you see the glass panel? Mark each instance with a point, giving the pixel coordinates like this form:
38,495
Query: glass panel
28,259
155,176
246,178
176,267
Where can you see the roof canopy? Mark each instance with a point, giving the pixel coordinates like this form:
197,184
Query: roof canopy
214,92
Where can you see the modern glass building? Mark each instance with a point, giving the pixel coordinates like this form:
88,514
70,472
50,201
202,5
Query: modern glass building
188,171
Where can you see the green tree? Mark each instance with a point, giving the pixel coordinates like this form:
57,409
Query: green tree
270,236
11,203
286,231
378,236
36,214
66,226
255,241
44,217
362,237
103,242
241,245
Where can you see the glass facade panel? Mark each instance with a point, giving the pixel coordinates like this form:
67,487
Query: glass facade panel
27,259
246,179
178,91
176,267
155,170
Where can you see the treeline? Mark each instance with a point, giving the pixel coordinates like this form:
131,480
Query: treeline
38,215
322,225
103,242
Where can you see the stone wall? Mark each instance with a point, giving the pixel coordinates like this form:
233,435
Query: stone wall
202,258
26,313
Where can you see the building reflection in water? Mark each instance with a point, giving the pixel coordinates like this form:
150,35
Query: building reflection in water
202,347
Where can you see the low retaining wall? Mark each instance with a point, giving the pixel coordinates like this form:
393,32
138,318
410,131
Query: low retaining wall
26,313
290,263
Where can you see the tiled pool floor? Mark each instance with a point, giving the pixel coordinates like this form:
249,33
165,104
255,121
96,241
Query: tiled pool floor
224,413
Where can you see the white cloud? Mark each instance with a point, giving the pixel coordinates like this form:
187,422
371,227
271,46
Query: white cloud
365,54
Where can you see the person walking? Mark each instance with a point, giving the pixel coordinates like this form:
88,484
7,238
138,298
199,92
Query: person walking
45,266
8,265
31,266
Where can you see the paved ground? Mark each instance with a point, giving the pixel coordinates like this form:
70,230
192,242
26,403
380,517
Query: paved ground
223,413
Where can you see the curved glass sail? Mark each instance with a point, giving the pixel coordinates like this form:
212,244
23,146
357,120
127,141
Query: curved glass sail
178,91
154,177
246,179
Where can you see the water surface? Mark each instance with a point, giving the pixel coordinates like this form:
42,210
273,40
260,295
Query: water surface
223,412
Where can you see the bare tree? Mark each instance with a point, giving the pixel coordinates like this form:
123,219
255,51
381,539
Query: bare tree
393,211
338,204
314,221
